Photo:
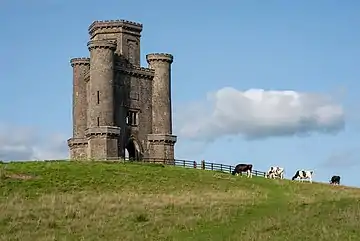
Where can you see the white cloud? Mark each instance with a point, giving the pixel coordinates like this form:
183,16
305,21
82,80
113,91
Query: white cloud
257,113
21,143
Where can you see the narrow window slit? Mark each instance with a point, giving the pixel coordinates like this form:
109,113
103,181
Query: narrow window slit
132,118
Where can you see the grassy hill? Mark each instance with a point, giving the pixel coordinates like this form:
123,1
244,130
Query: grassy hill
100,201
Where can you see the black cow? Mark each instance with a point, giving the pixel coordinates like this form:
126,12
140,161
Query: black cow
240,168
335,180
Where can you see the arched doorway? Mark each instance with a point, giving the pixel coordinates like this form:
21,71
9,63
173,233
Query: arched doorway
132,150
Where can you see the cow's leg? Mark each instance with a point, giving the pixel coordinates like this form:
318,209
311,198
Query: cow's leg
310,179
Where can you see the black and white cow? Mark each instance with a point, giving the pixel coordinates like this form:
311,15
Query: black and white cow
275,172
240,168
335,180
302,175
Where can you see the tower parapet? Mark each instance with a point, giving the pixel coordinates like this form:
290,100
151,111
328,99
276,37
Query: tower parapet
101,44
111,26
79,61
165,57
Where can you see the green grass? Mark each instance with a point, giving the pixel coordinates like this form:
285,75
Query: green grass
101,201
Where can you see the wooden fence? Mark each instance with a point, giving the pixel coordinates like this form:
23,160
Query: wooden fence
202,165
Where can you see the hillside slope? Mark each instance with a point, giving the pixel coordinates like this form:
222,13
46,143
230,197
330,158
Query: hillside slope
99,201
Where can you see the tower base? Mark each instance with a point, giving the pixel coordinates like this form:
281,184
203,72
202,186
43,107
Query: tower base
161,148
78,148
103,142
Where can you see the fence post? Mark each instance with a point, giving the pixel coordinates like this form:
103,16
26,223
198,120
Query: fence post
221,167
184,164
203,164
195,164
212,166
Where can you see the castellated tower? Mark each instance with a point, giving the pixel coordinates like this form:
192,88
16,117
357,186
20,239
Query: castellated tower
117,104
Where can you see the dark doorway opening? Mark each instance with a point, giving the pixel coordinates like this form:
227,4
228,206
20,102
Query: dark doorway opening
133,153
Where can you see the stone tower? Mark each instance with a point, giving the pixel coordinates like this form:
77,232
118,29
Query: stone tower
117,104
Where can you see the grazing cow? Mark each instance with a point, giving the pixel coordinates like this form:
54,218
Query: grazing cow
275,172
335,180
302,175
240,168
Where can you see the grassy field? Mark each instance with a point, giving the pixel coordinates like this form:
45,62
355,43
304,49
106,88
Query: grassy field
99,201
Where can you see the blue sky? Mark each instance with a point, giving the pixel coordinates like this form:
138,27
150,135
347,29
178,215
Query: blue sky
303,46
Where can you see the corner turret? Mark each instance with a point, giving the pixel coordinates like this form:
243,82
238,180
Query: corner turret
102,133
78,144
161,140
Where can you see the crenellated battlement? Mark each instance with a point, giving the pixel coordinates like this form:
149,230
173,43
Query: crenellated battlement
77,142
79,61
133,67
105,44
108,24
103,131
165,138
165,57
135,70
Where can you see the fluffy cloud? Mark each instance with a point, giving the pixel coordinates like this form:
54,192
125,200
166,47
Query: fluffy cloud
20,143
257,113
